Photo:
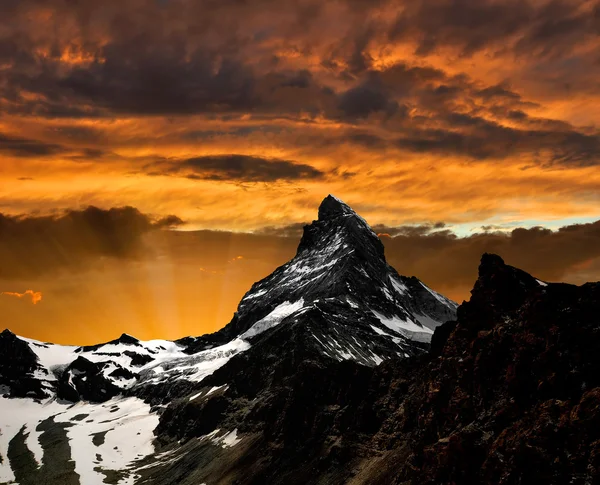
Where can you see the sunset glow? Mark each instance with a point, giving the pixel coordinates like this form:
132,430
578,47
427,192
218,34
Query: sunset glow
447,124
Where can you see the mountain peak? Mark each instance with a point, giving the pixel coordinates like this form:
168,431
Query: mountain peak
340,271
332,207
127,339
490,259
339,226
499,290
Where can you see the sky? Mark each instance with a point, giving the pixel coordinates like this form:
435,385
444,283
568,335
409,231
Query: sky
158,157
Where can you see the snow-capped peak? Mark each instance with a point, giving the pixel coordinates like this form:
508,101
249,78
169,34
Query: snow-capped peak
340,274
332,207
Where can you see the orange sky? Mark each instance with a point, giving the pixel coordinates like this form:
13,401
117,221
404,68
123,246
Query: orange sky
241,116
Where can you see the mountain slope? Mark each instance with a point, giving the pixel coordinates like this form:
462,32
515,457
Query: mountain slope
340,275
337,300
509,395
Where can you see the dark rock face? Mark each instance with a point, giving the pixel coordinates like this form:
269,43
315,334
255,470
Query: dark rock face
138,360
509,394
501,403
18,363
85,380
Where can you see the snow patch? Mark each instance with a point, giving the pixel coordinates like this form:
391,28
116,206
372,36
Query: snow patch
216,388
398,285
274,318
226,441
427,321
351,303
197,366
250,296
230,439
405,328
379,331
210,391
51,356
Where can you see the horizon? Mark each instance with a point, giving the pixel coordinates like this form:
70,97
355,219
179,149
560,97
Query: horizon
409,235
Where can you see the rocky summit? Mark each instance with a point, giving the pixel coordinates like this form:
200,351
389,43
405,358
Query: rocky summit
334,369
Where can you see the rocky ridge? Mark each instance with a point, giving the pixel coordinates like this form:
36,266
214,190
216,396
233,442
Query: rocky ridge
507,392
336,301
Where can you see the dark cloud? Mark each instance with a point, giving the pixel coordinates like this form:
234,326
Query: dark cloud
557,26
291,230
429,251
168,222
160,79
498,92
234,167
490,140
446,261
526,27
409,230
547,143
24,147
225,60
367,98
30,148
33,245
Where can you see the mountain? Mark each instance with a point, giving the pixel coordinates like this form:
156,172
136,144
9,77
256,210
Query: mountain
310,384
508,394
337,301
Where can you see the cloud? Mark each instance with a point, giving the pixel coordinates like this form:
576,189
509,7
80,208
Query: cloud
525,27
167,222
447,261
397,100
234,167
409,230
369,97
243,66
430,251
34,245
490,140
291,230
24,147
35,296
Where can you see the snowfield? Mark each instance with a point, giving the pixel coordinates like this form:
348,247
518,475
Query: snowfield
108,436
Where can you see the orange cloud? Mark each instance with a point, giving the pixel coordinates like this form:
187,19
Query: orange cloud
36,296
210,271
474,114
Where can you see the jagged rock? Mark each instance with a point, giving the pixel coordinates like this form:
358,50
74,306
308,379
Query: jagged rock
123,339
509,394
85,380
138,360
310,382
18,364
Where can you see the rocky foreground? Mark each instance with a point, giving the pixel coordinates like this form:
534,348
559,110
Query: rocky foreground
508,394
